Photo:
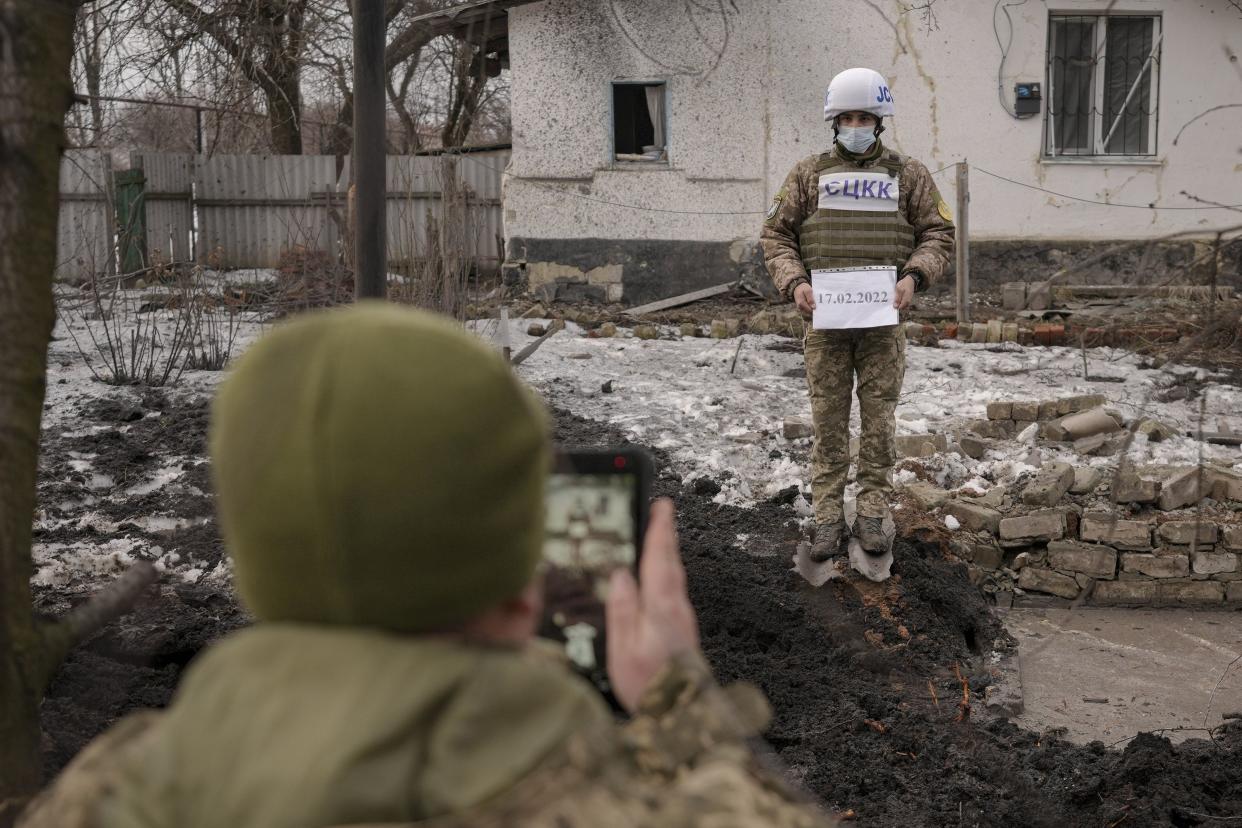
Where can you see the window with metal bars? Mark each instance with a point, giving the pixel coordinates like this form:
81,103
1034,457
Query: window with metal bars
1103,85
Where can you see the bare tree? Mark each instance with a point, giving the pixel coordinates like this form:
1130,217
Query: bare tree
262,40
36,46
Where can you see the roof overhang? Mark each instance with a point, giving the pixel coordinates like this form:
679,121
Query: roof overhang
483,23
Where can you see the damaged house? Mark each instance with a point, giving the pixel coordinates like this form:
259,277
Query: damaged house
650,136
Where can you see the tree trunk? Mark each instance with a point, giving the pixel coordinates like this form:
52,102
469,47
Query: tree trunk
284,107
36,45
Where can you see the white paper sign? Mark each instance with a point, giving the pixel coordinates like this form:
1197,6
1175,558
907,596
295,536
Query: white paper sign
854,297
874,191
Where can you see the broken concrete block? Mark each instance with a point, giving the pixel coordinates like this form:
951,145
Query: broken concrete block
992,429
1045,580
1082,402
1086,558
606,330
1025,410
1193,593
1233,592
1044,525
726,328
987,555
535,311
978,333
1188,532
1123,534
1231,537
1086,479
796,428
1013,295
646,332
1052,430
690,329
993,498
1124,593
1156,565
1049,485
1047,411
973,517
972,446
1000,410
1088,424
1009,332
1155,430
1129,487
1039,296
1020,560
920,445
927,496
1208,562
1181,488
536,329
763,322
994,331
1224,484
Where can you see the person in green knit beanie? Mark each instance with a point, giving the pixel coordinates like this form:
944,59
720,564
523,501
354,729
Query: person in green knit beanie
380,479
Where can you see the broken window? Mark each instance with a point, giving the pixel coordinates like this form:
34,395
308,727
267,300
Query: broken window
1103,84
638,121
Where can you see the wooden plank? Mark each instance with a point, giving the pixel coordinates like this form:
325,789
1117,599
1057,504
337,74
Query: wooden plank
683,299
521,355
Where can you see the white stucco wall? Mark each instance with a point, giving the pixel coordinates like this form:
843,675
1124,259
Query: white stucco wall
735,130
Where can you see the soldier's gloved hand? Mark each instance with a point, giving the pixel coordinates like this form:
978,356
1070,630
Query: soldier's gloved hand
804,298
905,293
650,622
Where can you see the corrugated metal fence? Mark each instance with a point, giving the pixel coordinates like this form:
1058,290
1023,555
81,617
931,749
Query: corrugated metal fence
241,211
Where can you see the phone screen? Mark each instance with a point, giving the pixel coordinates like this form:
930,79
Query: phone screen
594,509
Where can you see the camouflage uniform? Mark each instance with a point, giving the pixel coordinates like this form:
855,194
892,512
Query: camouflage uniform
433,734
797,238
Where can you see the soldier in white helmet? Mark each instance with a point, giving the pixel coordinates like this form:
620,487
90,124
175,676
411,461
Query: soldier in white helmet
864,210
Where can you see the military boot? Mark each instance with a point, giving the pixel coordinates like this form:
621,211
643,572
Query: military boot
827,543
871,537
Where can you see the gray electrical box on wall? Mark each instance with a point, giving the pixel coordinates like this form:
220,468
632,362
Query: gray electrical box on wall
1026,99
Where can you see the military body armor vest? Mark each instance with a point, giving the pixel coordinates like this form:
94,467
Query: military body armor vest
856,238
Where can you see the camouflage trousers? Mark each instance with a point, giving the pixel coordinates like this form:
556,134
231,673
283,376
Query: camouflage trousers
877,356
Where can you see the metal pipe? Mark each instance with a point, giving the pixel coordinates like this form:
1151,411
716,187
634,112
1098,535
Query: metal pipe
962,237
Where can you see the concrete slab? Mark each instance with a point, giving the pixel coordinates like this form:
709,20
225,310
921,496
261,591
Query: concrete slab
1108,674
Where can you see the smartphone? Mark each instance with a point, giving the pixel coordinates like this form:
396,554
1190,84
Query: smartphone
595,518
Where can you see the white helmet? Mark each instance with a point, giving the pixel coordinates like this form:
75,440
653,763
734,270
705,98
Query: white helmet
858,90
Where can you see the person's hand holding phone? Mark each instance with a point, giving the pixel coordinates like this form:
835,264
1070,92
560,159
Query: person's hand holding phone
650,622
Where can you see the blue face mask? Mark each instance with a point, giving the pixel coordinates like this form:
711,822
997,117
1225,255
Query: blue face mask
856,139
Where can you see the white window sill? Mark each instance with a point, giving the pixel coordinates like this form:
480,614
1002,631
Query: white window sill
639,165
1103,160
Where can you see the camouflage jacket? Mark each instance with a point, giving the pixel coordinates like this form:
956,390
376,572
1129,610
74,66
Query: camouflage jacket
530,745
798,199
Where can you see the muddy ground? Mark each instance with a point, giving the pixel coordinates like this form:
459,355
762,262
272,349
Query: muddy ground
864,680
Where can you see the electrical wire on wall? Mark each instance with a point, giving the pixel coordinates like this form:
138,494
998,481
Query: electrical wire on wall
1004,52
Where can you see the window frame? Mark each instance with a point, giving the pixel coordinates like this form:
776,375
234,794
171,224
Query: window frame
1099,129
612,119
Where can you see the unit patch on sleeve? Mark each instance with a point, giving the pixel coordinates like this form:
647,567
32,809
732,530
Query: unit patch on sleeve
776,204
943,209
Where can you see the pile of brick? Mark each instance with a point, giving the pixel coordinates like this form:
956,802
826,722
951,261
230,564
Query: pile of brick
1130,562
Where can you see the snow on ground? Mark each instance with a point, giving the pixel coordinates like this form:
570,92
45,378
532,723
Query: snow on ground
678,395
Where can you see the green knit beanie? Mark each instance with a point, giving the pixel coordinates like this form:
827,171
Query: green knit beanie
377,466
